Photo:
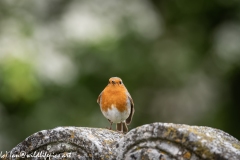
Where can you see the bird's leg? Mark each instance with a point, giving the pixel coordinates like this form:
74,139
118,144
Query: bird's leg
110,124
121,127
125,128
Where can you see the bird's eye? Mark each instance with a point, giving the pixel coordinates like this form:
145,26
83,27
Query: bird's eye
112,81
120,82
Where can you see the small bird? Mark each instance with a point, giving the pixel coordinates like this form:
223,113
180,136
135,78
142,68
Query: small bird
116,104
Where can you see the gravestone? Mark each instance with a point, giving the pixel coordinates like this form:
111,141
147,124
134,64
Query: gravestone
160,141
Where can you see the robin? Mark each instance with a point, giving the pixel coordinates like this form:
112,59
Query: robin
116,104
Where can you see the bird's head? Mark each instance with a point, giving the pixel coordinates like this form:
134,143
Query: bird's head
115,81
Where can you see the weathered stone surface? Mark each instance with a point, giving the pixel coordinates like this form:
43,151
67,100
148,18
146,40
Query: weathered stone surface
177,141
68,142
152,141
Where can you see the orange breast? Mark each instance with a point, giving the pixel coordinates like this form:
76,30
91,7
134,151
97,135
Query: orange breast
114,95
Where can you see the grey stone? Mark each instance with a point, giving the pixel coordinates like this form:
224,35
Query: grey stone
151,141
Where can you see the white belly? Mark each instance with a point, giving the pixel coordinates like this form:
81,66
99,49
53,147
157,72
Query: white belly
116,116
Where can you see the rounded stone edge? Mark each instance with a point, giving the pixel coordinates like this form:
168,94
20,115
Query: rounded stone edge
82,141
204,142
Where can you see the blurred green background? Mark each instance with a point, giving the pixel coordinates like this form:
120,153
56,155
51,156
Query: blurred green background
180,61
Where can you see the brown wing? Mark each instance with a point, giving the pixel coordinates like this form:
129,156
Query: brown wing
129,119
99,98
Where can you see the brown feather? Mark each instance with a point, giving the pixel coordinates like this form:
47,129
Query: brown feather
129,119
99,98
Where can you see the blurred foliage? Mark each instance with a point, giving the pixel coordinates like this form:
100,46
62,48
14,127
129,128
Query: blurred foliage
180,61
